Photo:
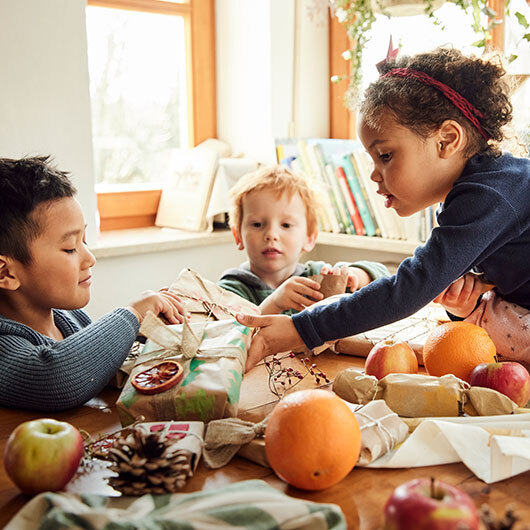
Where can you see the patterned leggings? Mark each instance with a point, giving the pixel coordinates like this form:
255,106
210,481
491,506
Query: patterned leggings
507,324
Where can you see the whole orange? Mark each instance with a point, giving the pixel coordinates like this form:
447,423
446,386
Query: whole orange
456,348
312,439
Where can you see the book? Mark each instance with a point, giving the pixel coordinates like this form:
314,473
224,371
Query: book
333,189
350,202
365,196
384,219
345,162
328,219
186,194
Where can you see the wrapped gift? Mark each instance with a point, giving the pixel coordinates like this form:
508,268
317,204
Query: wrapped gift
190,371
413,330
205,300
381,430
419,395
331,284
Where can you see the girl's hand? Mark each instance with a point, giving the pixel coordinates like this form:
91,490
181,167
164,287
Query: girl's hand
276,334
295,293
164,302
357,277
461,297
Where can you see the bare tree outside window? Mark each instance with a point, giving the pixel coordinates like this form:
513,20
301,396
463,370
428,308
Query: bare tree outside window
138,92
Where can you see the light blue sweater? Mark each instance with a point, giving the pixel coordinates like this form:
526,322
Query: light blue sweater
40,373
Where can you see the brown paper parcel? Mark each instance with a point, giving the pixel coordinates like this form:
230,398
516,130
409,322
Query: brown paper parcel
381,431
205,300
213,355
419,395
331,284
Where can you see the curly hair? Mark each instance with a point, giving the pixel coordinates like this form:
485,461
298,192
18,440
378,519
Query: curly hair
422,108
280,180
24,185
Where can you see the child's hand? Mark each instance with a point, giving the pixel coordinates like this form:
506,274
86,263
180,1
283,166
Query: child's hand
460,298
277,334
295,293
357,277
164,302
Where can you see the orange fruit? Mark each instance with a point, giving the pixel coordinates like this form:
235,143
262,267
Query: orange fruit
312,439
456,348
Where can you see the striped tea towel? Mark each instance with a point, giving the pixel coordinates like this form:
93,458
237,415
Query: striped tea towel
249,504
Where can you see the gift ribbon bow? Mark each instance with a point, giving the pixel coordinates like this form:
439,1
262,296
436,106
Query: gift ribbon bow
187,344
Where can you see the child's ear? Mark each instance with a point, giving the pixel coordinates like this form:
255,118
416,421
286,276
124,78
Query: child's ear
451,138
237,238
8,278
310,242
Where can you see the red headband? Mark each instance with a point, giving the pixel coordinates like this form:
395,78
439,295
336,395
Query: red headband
459,101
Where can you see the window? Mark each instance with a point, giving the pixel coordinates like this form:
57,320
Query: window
149,97
417,33
137,65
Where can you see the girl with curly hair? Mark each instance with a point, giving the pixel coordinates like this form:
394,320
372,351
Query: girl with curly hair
433,124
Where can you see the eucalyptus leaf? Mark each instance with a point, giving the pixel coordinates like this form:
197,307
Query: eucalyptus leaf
521,19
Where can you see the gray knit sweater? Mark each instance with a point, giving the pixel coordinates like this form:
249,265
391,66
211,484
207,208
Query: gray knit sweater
39,373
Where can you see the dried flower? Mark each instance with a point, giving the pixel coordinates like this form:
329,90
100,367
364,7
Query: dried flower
282,379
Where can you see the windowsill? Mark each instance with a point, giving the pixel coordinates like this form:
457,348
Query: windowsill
114,243
134,241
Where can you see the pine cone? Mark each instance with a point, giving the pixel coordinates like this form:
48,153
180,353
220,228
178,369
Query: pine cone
148,463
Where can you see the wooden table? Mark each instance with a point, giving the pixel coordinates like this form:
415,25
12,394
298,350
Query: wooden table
361,495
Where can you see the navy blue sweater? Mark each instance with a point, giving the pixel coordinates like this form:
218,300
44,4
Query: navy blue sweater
484,226
39,373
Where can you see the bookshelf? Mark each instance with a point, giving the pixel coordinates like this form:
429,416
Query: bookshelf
352,215
373,244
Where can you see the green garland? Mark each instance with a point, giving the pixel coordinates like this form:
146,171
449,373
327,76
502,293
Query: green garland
358,16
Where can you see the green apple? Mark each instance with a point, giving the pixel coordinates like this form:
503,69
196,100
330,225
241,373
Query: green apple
43,455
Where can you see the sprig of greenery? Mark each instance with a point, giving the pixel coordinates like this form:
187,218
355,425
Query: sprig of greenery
358,16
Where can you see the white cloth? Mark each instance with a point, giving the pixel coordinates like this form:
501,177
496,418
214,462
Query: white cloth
491,457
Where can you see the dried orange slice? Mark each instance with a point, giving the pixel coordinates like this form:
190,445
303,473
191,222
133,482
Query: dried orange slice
158,378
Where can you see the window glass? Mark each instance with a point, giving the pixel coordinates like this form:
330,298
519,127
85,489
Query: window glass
137,73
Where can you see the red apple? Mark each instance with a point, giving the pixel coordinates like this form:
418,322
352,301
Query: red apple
43,455
428,504
389,357
510,378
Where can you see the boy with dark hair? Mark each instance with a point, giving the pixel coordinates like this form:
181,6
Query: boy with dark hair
51,356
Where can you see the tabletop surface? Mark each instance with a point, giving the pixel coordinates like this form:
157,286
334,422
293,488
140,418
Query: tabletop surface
361,495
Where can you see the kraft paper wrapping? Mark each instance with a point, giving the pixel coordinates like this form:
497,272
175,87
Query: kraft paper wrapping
413,330
418,395
381,430
205,300
213,355
331,284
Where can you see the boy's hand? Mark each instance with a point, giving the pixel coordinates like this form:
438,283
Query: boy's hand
164,302
460,298
357,277
295,293
276,334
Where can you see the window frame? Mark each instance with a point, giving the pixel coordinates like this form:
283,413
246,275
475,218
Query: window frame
137,208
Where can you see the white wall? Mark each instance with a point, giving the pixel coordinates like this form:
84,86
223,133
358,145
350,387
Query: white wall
44,96
272,74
